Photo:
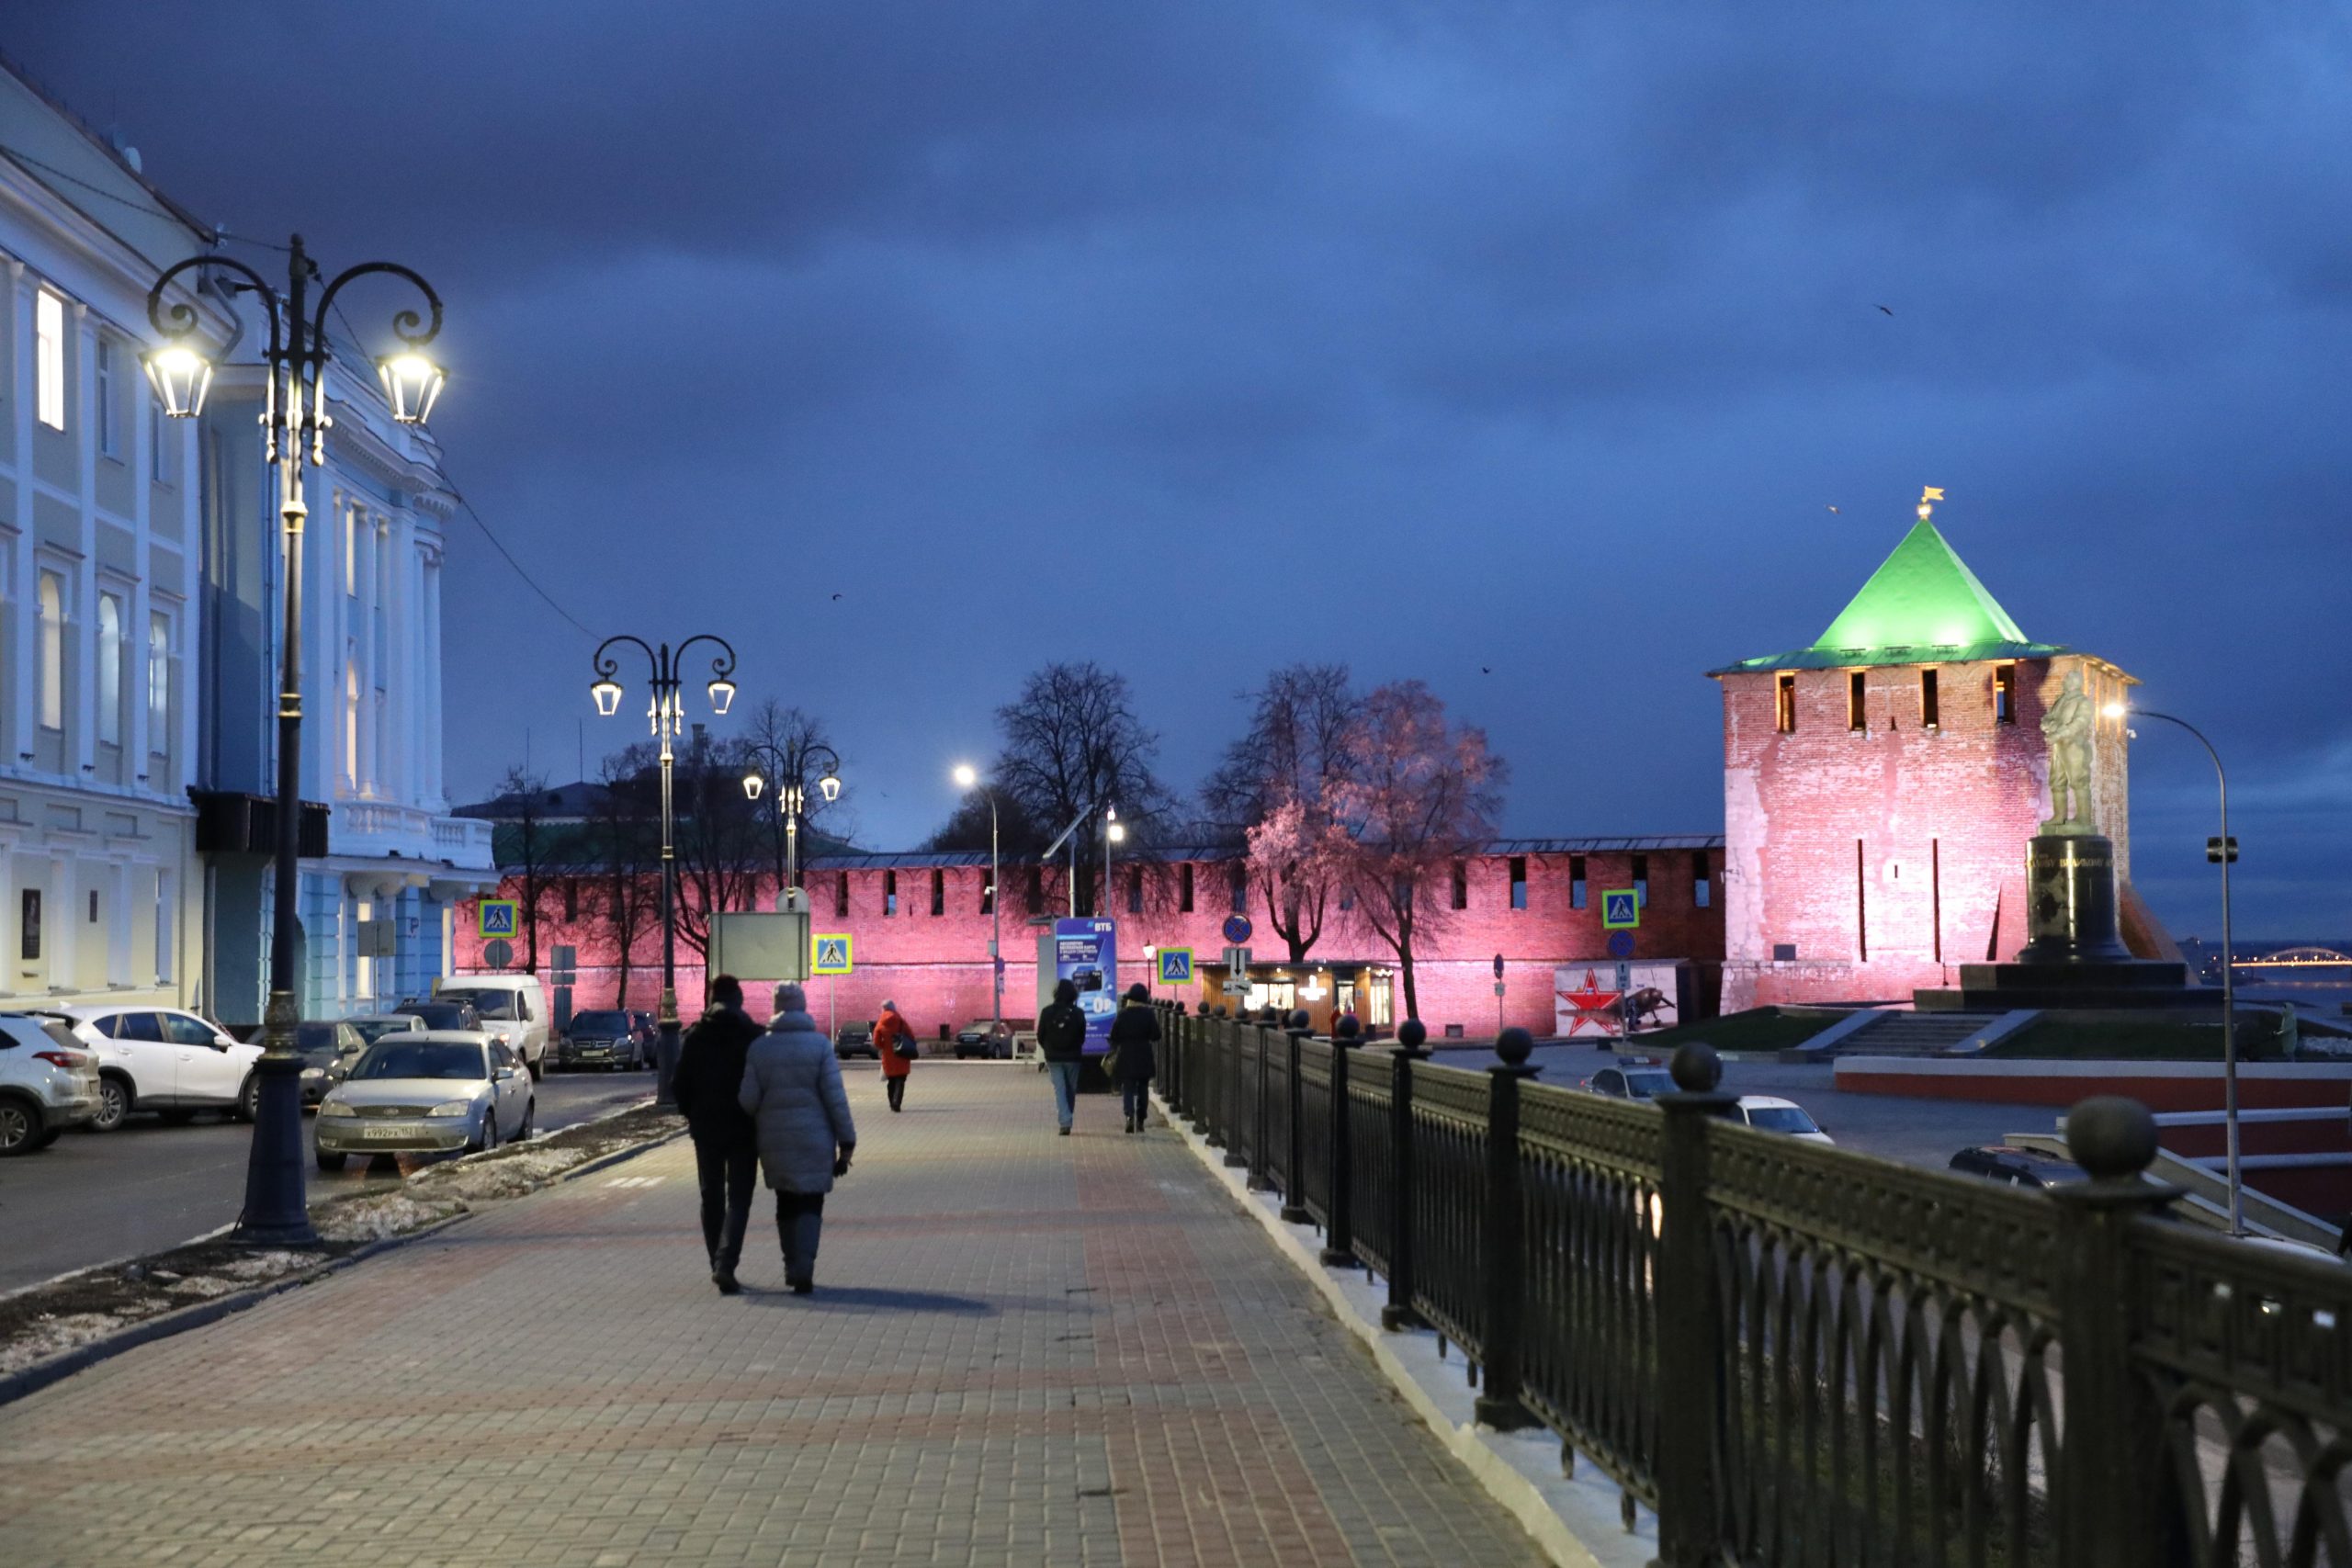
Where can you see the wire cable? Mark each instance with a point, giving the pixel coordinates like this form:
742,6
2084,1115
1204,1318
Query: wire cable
529,582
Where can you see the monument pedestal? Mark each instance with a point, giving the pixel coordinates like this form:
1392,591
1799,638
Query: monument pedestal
2073,955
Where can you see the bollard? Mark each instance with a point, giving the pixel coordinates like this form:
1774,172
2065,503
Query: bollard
1340,1235
1293,1211
1503,1266
1689,1359
1399,1313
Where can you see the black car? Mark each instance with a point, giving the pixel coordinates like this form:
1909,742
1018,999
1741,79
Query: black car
328,1048
855,1039
442,1014
985,1037
606,1039
2017,1167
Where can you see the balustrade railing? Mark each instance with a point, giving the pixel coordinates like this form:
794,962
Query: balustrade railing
1800,1355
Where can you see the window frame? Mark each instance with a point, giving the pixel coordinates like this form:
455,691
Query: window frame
1930,701
49,358
106,666
1857,718
1518,868
1784,702
159,682
50,599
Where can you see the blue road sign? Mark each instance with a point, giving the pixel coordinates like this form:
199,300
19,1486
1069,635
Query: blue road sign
1620,944
1621,909
1175,966
1238,928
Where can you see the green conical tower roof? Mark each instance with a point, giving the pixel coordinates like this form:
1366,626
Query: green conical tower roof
1921,606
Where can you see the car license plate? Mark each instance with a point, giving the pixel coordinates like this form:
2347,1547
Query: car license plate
386,1133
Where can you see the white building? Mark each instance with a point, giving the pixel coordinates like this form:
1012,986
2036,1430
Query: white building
100,530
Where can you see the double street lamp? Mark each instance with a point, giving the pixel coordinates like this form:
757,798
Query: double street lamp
790,764
294,417
667,714
969,777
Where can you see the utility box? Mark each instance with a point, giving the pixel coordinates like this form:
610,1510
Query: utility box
770,947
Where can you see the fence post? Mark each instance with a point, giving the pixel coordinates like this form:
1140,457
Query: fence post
1293,1189
1234,1069
1261,1159
1503,1263
1689,1358
1399,1313
1340,1235
2110,1496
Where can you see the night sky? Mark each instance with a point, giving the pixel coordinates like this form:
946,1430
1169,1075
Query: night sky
1197,338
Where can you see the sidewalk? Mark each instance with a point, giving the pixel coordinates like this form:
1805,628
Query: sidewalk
1022,1350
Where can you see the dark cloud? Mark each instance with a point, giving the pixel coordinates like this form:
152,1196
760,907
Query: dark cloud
1194,339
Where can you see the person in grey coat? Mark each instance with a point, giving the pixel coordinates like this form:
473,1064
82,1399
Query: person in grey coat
792,1090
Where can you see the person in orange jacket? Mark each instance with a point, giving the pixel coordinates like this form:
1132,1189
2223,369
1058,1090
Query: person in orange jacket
896,1045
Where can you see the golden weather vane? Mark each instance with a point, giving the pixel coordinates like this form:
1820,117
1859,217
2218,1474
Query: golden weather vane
1929,496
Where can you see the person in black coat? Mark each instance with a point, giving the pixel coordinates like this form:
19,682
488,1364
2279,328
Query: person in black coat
1061,1041
727,1153
1135,1038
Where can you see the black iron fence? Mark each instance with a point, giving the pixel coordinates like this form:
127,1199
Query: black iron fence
1797,1354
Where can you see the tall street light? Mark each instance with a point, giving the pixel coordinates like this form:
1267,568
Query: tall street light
969,777
791,764
2222,851
1113,832
667,713
294,416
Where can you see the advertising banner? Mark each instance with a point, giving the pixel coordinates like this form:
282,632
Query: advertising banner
1591,998
1086,954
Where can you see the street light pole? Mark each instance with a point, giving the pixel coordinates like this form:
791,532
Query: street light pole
294,417
792,762
970,779
667,714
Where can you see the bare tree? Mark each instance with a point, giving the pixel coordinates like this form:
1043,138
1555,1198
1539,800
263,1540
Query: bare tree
1274,792
1423,794
1073,744
721,846
623,839
525,845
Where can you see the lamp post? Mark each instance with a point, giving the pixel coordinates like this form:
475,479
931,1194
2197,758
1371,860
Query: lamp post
969,778
791,764
667,713
1113,832
294,416
2222,852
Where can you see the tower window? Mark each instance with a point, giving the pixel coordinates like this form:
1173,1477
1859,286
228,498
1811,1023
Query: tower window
1642,881
1701,880
1135,890
890,892
1785,705
1240,887
1184,888
1519,881
1576,881
841,895
2004,694
1036,889
1462,886
1928,708
1856,718
938,891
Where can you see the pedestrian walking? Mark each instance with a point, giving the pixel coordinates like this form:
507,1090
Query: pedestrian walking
1061,1041
792,1090
1135,1053
895,1044
708,1074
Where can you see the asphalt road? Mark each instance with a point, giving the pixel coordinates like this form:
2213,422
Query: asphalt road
91,1198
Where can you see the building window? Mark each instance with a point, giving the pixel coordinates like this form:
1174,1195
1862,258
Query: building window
889,893
1576,881
28,927
1184,888
1642,882
351,716
52,651
94,906
109,432
1702,887
49,357
1855,718
159,682
162,445
841,895
1135,890
1240,887
351,554
2004,694
1035,892
938,891
1928,708
1461,886
164,943
1784,710
1519,881
109,670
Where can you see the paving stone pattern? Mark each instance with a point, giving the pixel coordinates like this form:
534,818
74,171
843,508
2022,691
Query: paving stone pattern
1022,1350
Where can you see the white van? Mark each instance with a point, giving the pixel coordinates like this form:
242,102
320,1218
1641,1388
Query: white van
513,1009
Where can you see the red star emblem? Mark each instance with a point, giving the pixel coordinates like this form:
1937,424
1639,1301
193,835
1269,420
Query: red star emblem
1594,1006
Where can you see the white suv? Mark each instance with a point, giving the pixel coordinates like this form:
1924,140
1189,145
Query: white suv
48,1082
162,1059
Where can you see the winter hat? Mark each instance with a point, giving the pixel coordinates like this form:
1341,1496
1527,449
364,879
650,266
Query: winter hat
791,998
1138,992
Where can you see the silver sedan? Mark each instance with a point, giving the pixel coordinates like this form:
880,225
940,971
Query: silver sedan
437,1092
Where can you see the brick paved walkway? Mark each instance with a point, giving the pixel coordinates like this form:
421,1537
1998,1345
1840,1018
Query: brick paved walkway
1024,1349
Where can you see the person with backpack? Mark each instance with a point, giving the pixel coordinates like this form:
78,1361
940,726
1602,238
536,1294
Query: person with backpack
894,1042
1134,1055
708,1074
1061,1040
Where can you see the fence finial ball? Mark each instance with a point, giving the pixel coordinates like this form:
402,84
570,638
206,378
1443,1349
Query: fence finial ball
1515,1045
2112,1136
1411,1032
1696,1069
1297,1019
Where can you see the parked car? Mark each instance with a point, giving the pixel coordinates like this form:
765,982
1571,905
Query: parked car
443,1014
1773,1114
608,1039
855,1039
1630,1083
2017,1167
48,1082
328,1047
985,1037
374,1026
513,1009
432,1093
163,1060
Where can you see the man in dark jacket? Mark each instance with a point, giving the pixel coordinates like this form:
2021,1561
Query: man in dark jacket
1061,1040
1135,1056
709,1077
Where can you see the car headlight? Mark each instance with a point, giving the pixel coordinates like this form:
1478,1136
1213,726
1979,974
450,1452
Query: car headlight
336,1108
453,1107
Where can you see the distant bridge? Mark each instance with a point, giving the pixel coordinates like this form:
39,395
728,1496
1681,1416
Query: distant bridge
2299,958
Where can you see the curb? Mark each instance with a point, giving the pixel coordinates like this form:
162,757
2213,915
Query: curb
1518,1469
179,1320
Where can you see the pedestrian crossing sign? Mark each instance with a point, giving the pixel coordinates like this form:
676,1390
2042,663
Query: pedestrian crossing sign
1175,966
833,955
1621,909
497,918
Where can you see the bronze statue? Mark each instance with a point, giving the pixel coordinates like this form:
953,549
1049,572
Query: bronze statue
2068,728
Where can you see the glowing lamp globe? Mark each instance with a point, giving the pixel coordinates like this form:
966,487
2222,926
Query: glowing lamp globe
608,697
752,784
412,385
830,787
722,695
180,377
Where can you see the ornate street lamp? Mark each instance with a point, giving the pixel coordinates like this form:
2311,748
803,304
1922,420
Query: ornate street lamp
969,777
666,713
294,414
791,764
